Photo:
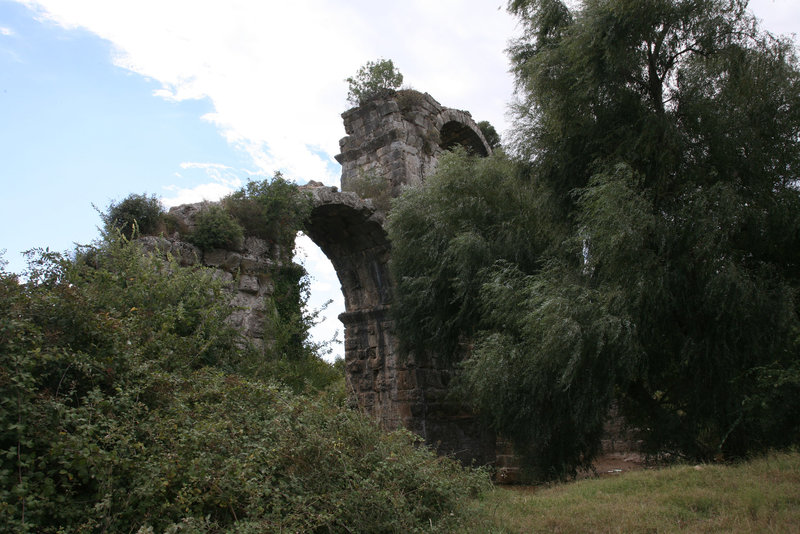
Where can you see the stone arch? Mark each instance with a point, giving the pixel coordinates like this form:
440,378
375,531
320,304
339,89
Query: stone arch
397,390
457,128
349,231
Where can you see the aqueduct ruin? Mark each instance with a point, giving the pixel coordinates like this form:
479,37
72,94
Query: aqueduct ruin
398,138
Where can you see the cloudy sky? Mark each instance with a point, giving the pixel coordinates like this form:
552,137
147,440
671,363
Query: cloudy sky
188,99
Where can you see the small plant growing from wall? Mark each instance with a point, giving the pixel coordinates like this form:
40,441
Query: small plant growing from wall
408,99
372,185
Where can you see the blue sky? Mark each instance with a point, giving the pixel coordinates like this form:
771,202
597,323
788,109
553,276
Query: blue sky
187,99
80,131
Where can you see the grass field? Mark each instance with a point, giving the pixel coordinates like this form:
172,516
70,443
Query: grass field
762,495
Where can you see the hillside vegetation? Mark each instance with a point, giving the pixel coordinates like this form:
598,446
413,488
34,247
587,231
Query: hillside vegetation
127,404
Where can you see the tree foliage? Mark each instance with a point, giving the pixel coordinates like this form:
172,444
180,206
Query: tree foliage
374,79
662,139
490,134
445,235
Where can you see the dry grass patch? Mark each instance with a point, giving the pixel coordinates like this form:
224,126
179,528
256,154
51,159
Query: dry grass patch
758,496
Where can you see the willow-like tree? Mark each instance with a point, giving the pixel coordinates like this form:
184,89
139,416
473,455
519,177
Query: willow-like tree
665,135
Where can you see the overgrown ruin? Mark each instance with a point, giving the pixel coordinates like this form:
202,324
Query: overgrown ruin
396,140
399,139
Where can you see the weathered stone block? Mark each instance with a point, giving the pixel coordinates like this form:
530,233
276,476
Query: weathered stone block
248,284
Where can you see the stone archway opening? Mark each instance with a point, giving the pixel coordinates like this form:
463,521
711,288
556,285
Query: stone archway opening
350,232
325,297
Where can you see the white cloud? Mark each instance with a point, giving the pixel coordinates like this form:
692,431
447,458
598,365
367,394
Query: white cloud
8,32
222,174
190,195
224,181
274,71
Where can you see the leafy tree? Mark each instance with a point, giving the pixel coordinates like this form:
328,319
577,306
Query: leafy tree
664,138
375,79
489,133
445,235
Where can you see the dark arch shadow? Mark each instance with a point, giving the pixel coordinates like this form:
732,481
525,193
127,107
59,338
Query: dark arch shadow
454,133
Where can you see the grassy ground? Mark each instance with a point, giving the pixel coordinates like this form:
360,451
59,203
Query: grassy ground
759,496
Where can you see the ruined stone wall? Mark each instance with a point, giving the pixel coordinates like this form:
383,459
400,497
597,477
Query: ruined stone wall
247,271
400,137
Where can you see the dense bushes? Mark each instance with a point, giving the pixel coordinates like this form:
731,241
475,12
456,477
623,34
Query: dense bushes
216,228
134,214
124,406
274,209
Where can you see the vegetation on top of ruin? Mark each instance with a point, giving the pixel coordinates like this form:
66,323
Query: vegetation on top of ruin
375,79
216,227
135,214
372,185
272,209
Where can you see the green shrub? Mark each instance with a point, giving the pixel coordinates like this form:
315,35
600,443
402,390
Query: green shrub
274,210
216,228
134,215
408,99
123,408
